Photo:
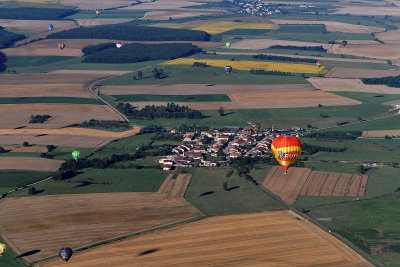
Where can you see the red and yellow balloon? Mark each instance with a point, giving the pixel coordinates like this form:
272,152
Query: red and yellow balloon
286,150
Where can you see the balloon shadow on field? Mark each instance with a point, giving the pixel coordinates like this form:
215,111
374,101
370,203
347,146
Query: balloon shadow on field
28,253
207,193
146,252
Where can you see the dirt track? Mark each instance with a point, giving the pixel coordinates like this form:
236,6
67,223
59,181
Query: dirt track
353,85
278,238
36,164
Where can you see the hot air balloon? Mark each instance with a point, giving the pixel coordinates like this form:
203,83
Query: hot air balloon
255,127
98,12
2,249
228,44
286,150
65,254
76,154
61,46
228,69
50,27
319,63
118,45
344,42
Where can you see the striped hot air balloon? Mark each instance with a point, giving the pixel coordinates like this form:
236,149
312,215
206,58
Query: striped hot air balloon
286,150
319,63
61,46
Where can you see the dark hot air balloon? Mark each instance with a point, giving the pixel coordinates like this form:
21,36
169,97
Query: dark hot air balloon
65,254
228,69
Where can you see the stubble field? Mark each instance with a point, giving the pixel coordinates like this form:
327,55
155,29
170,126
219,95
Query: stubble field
35,164
352,85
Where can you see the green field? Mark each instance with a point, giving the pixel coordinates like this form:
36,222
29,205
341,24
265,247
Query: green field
9,179
318,37
39,64
103,181
172,98
10,257
207,194
109,14
64,152
29,100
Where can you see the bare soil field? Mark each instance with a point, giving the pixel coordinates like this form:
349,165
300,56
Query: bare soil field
334,26
53,139
369,11
77,220
165,15
277,238
100,72
265,43
175,187
38,90
97,22
35,149
18,115
380,51
380,133
303,181
267,100
353,85
198,89
339,72
36,25
36,164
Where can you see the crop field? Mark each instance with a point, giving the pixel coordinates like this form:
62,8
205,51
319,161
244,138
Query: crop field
380,134
273,238
16,178
166,15
251,44
31,100
382,51
30,79
36,26
303,181
223,26
256,65
30,163
31,149
172,98
352,85
339,72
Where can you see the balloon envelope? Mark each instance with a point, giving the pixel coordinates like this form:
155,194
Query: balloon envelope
344,42
255,127
76,154
286,149
98,12
65,253
228,44
319,63
50,27
2,249
228,69
118,45
61,46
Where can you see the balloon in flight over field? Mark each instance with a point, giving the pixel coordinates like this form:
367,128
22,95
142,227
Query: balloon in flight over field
255,127
98,12
65,254
286,150
228,69
228,44
50,27
118,45
61,46
319,63
76,154
344,42
2,249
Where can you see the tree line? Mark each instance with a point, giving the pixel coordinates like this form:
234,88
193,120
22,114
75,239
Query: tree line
170,111
271,72
282,58
110,125
312,149
392,81
304,48
32,13
7,39
3,60
131,33
336,135
131,53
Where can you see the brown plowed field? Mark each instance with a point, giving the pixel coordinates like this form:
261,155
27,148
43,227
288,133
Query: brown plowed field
334,26
380,51
38,90
267,100
97,22
199,89
36,164
48,222
369,11
49,79
339,72
380,133
265,43
175,188
18,115
353,85
277,238
34,149
390,37
303,181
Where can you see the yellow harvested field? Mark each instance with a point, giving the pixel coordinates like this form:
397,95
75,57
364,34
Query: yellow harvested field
256,65
73,131
278,238
339,72
352,85
35,164
35,149
380,133
223,26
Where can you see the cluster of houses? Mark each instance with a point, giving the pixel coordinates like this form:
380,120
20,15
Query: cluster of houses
257,8
215,147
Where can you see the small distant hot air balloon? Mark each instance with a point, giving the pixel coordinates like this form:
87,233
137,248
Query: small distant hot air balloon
228,44
286,150
344,42
228,69
50,27
61,46
118,45
98,12
3,248
255,127
76,154
65,254
319,63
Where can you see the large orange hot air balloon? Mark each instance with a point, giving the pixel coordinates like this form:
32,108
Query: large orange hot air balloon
286,150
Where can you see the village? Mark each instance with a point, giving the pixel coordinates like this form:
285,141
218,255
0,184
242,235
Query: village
257,8
215,147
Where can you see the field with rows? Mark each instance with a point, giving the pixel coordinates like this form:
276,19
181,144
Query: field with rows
255,65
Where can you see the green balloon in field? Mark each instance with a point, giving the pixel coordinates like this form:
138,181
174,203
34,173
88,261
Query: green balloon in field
228,44
76,154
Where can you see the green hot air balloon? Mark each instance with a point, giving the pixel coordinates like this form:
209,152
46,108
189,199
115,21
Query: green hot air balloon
76,154
228,44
